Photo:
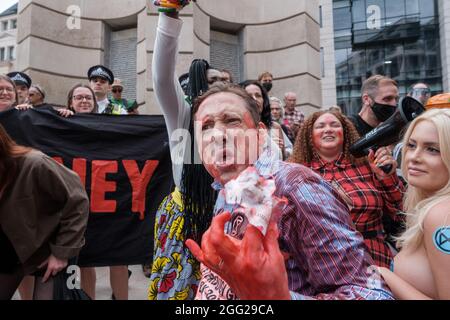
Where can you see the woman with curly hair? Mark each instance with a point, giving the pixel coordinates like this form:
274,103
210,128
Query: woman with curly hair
323,144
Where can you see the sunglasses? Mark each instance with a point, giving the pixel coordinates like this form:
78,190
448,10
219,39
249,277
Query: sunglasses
117,90
422,91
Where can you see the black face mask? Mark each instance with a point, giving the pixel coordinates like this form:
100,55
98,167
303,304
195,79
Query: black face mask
383,111
267,86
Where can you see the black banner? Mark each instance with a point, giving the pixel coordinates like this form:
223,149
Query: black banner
124,163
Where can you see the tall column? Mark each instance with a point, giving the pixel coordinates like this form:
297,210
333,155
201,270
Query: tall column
328,58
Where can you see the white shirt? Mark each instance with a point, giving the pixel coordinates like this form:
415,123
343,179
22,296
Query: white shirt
168,91
102,105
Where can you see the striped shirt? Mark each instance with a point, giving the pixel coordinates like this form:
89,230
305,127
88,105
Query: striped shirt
327,257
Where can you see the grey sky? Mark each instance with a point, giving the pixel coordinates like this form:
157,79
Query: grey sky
5,4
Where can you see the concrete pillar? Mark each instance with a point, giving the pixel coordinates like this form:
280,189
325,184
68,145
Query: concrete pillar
328,62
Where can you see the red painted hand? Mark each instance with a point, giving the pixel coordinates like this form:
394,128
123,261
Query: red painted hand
253,267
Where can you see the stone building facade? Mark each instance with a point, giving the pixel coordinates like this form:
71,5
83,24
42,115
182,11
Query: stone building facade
59,40
8,34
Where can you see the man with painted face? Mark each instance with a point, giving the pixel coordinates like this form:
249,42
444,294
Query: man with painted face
379,96
311,252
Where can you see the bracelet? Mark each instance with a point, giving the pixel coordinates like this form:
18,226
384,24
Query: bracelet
170,5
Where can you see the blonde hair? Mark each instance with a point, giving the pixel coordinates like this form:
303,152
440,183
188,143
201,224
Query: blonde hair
416,203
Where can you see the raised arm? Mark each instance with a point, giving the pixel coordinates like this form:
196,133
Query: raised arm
169,94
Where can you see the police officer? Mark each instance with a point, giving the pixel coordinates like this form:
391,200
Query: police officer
101,79
23,84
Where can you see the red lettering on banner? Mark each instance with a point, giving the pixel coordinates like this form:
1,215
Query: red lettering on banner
79,166
59,160
100,186
139,182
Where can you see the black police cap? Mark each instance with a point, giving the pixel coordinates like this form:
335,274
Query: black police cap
20,78
100,71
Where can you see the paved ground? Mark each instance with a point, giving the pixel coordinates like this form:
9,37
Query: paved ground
138,284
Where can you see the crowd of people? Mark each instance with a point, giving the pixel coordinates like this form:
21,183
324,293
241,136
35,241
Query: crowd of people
346,228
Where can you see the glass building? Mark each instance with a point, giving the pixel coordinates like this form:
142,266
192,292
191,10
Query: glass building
396,38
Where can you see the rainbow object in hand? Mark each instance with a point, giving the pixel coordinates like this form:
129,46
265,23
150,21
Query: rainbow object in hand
170,5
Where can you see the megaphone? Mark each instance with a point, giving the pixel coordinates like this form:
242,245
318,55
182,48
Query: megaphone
389,131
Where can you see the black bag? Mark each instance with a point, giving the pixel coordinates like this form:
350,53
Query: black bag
64,288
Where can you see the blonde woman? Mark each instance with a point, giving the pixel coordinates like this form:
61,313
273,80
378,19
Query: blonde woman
421,269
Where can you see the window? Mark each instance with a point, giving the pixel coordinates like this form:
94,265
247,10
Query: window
342,19
359,13
397,38
2,54
4,25
10,53
14,24
412,9
395,12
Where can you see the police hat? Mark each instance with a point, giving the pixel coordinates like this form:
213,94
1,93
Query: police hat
100,71
20,78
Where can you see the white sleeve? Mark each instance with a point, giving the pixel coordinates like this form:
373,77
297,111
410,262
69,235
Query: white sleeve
169,94
168,91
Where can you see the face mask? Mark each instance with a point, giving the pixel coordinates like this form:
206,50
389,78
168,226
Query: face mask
267,86
383,111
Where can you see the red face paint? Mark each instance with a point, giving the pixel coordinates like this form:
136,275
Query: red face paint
328,135
225,137
248,120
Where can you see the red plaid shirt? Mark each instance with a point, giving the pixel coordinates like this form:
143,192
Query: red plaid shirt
293,117
368,197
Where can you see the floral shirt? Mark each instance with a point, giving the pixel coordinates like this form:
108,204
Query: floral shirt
175,272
